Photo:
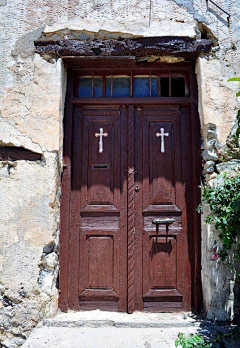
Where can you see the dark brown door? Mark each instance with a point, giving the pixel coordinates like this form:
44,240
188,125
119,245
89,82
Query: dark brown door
99,158
163,232
131,208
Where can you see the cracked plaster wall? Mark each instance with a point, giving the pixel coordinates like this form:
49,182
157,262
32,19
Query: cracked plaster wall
32,93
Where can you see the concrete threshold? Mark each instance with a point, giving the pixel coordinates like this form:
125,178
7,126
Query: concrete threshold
97,318
99,329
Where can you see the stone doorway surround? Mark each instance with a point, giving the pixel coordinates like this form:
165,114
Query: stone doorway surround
101,51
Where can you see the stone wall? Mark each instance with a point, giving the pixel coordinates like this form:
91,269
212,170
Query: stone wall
221,288
32,92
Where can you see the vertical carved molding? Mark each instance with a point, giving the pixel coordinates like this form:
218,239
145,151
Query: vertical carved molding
131,232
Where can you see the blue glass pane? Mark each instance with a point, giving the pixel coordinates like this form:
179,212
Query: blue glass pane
141,87
121,87
97,86
85,87
108,87
154,86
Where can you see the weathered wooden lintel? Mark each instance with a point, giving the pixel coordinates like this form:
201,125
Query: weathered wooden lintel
138,47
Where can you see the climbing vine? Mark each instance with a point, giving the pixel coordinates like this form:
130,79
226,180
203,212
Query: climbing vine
238,80
231,150
224,198
224,202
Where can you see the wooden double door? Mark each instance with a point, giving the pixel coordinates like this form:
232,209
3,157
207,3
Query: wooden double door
130,234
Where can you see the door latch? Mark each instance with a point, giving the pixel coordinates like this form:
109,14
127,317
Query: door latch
158,222
163,221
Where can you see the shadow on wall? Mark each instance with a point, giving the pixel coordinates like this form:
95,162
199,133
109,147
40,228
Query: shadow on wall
221,287
214,334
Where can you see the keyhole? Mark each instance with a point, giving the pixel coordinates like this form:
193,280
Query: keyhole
137,187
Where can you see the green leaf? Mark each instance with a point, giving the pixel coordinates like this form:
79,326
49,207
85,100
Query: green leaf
224,201
208,219
234,79
199,208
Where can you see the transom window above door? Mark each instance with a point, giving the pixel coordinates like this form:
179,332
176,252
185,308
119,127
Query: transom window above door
151,85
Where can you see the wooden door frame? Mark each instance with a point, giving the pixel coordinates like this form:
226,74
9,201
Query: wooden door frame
65,281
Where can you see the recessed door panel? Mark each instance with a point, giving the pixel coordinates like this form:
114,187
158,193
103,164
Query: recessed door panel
100,170
163,261
162,166
100,262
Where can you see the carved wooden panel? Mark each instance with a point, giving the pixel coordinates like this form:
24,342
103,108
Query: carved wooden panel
100,265
101,171
162,164
163,262
100,252
160,168
100,179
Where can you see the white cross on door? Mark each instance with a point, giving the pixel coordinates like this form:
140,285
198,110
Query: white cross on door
162,135
101,135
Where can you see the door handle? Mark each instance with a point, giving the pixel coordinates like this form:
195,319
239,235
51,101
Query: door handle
158,222
163,221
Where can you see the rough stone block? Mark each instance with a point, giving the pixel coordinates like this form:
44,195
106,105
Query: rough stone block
232,167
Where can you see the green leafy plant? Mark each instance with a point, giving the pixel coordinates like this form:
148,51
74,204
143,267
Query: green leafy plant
224,199
238,80
196,340
224,202
192,340
231,150
238,95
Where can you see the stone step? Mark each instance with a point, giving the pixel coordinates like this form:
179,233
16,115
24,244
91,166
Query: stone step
103,337
97,318
98,329
118,324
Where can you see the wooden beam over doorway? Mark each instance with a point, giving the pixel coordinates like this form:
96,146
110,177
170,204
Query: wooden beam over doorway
138,47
